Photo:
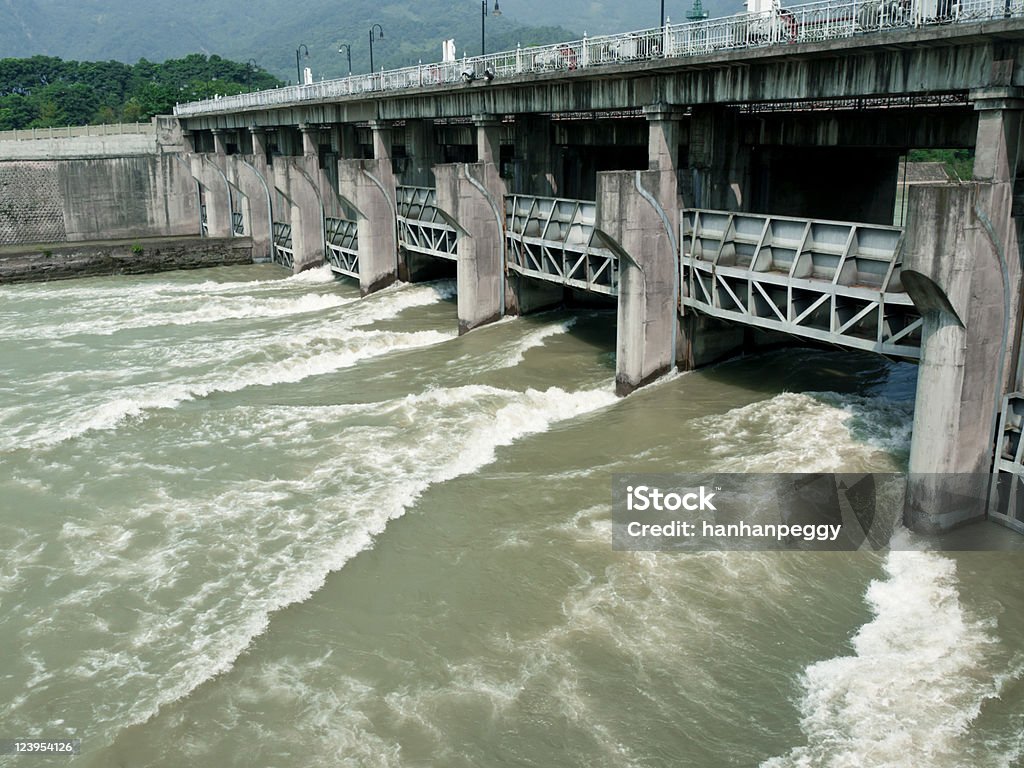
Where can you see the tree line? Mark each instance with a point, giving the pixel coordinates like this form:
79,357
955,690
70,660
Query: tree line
44,91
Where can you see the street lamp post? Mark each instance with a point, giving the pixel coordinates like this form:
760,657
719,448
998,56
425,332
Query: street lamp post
662,14
380,36
298,72
483,20
348,53
250,67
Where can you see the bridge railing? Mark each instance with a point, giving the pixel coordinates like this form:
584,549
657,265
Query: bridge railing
74,131
831,281
553,239
421,226
821,20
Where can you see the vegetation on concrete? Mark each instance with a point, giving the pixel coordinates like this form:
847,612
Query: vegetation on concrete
959,162
44,91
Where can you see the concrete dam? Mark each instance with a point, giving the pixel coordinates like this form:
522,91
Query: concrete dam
729,184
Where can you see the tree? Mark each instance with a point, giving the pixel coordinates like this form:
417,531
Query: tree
44,91
16,111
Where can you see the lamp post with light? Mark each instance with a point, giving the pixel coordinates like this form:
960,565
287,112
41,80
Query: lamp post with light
483,20
380,36
348,53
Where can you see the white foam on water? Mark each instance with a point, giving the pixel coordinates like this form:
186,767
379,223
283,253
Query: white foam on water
321,274
214,309
397,298
808,432
262,550
134,288
331,721
137,401
516,354
916,681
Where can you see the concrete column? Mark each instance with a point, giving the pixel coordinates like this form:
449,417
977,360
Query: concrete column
998,162
259,144
188,140
216,197
219,143
488,138
370,185
381,133
423,152
310,140
702,340
664,129
522,295
953,271
718,166
256,188
632,217
472,194
305,210
536,171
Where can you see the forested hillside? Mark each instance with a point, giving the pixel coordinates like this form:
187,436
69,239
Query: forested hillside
45,91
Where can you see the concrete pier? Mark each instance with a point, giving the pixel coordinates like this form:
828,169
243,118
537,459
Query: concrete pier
370,186
305,210
963,269
954,274
472,194
215,195
630,218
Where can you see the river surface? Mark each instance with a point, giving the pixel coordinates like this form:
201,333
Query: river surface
250,520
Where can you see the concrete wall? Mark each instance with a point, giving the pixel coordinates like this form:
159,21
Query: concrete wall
52,201
127,197
80,146
31,207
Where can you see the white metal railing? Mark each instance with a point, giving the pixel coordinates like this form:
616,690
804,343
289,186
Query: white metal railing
73,131
817,21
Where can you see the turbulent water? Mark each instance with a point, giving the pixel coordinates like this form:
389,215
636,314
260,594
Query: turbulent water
252,520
